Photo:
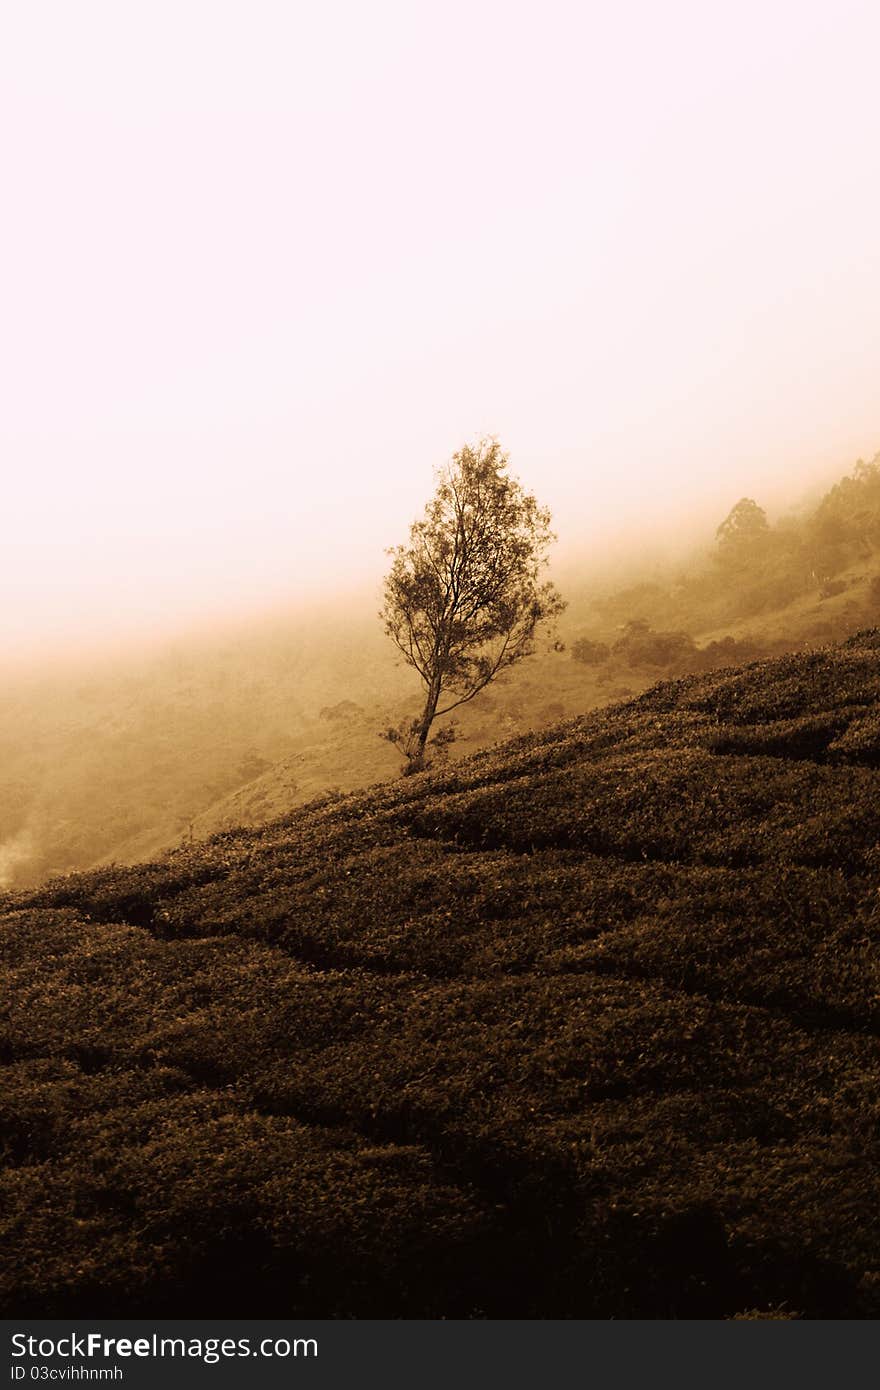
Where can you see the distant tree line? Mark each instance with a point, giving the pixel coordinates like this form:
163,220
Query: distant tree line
752,569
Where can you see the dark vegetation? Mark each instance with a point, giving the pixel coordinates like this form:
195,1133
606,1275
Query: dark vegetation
586,1025
644,648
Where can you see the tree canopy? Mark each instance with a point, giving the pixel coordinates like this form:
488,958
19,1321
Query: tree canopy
743,530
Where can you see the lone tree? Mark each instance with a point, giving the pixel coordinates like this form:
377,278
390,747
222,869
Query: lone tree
463,599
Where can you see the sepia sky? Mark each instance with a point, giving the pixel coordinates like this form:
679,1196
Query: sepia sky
265,264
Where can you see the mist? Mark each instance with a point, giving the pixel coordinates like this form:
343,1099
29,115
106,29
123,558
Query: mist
265,270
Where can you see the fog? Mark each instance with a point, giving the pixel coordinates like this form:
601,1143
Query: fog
264,267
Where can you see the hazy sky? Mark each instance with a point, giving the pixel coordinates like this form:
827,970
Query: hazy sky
265,264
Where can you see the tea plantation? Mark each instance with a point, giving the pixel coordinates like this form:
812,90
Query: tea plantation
584,1026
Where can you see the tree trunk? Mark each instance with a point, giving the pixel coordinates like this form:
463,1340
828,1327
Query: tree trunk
418,757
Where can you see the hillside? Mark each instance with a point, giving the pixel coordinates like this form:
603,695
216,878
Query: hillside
585,1025
341,750
811,576
122,762
118,761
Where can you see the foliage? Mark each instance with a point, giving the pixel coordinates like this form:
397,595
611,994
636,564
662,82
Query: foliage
589,652
730,651
846,524
641,646
405,736
743,531
463,600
